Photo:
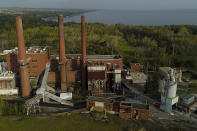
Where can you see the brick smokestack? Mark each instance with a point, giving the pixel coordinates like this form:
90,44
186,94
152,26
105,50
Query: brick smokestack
84,59
24,73
83,39
62,58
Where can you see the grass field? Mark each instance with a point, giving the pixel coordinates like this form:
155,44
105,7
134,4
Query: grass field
74,122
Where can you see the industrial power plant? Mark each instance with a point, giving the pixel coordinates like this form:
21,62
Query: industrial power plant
36,76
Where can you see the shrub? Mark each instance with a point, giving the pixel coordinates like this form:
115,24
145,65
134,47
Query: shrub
7,108
193,85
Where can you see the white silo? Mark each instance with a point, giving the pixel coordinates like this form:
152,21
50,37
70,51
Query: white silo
168,88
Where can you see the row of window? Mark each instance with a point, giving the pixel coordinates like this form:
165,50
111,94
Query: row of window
34,66
34,61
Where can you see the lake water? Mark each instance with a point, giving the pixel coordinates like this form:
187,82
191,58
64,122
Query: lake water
174,17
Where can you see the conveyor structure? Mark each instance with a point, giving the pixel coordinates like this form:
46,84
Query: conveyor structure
43,93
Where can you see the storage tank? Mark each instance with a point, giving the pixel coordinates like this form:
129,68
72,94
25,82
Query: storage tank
168,82
171,90
171,84
168,88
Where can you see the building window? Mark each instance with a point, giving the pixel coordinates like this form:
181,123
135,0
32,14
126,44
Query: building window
34,66
34,60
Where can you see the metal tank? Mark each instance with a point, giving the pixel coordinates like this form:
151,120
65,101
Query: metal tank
168,82
171,84
168,88
171,90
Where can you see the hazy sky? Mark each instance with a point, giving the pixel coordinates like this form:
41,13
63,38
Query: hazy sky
103,4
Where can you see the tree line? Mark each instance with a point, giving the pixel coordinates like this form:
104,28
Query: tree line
172,45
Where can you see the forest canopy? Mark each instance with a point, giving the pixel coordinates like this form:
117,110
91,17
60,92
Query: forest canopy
172,45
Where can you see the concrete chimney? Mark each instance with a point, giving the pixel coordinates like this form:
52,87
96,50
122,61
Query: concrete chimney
84,59
62,58
24,73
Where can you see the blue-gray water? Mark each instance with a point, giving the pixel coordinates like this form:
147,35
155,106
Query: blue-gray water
173,17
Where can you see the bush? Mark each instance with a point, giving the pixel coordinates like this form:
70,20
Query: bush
193,85
11,108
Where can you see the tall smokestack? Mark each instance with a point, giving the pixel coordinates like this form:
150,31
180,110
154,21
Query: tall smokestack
84,59
24,73
62,58
83,39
